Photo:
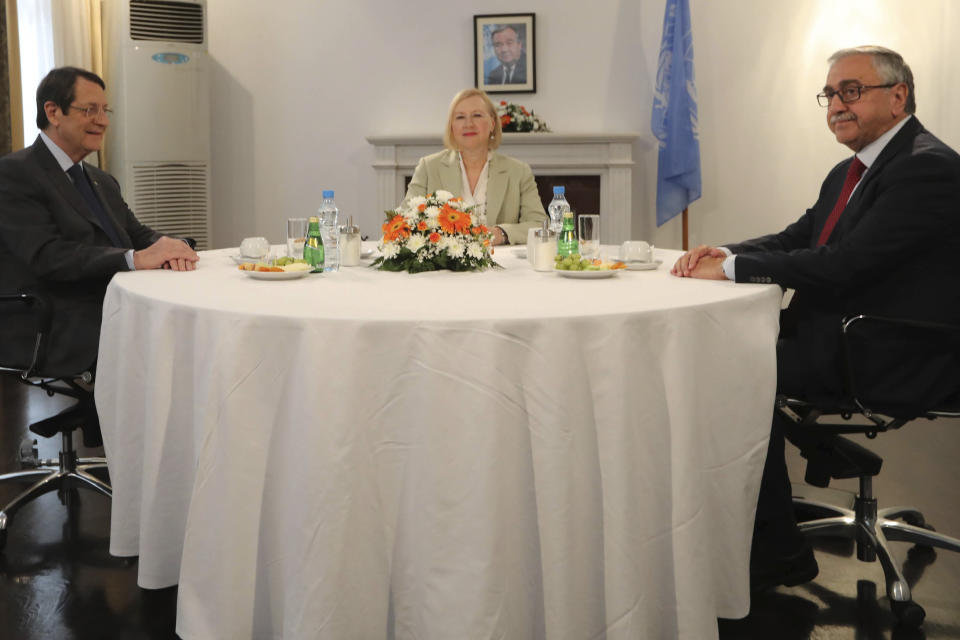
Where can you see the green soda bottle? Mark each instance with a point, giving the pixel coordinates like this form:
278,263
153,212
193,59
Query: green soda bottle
567,240
313,248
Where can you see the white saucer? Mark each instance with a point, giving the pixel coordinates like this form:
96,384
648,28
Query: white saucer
586,275
643,266
276,275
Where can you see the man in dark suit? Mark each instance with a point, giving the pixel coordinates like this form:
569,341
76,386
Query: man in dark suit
882,238
65,229
508,47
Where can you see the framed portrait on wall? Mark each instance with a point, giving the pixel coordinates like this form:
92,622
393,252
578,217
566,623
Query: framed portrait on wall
504,53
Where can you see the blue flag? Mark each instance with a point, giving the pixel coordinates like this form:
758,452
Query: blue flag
674,118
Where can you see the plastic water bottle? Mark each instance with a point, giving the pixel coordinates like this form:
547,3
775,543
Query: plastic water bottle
557,207
328,213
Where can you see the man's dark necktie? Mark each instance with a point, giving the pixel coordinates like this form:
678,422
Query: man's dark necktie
853,177
86,191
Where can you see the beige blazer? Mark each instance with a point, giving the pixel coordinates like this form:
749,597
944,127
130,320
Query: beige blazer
513,203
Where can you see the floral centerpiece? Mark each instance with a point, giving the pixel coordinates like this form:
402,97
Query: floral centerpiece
515,117
432,233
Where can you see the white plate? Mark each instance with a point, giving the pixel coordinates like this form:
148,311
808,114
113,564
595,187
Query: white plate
276,275
520,252
587,275
643,266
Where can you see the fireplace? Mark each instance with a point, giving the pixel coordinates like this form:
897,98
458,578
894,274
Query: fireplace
596,170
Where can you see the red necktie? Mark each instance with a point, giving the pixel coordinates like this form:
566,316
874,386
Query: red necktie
853,177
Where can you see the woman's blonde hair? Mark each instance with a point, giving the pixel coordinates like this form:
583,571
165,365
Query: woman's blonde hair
495,135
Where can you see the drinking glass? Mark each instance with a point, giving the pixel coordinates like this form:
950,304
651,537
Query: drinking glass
296,236
588,229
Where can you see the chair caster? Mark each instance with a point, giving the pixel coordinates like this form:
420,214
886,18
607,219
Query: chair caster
29,454
909,614
917,520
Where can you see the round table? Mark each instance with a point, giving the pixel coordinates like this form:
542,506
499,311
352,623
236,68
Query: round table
367,454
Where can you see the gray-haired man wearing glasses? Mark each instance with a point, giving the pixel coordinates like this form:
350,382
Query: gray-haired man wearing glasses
64,227
882,238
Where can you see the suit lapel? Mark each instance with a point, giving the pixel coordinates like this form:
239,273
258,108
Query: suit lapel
450,178
496,188
62,184
98,190
854,210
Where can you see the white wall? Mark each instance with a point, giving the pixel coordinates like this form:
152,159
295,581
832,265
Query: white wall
296,91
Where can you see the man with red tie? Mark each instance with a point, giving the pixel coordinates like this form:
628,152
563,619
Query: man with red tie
882,238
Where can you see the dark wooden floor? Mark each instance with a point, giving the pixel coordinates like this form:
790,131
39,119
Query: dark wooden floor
58,581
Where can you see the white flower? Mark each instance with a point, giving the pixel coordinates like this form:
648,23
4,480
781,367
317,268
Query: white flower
454,246
475,250
432,213
390,249
416,241
442,195
415,202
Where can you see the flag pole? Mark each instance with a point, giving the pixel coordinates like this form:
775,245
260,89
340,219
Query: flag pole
686,245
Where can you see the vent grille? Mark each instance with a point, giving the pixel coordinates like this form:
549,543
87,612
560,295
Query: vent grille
172,199
166,21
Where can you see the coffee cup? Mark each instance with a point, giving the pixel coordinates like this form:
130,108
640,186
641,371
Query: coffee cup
636,251
254,247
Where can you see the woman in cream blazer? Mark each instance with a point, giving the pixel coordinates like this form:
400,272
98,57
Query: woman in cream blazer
471,169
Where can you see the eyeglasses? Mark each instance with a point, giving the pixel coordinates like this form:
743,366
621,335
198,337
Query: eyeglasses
93,110
849,93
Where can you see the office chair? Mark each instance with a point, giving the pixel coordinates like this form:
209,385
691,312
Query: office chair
69,470
830,455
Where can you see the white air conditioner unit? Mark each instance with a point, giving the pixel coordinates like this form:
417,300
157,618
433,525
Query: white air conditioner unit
158,146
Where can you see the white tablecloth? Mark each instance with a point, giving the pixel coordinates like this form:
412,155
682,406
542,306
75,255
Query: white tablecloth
507,454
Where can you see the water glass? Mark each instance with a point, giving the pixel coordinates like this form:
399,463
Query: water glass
588,230
296,236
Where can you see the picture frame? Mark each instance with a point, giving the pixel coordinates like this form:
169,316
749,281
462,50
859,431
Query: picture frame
504,52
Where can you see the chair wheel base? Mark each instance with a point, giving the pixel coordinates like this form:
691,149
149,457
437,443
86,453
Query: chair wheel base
909,614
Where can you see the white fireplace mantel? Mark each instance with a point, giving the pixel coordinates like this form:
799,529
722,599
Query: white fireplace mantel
608,155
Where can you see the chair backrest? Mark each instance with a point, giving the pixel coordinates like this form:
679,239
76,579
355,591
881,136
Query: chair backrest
904,368
39,311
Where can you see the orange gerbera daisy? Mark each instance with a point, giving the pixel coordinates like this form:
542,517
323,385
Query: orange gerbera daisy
421,208
453,221
395,228
504,120
422,225
434,237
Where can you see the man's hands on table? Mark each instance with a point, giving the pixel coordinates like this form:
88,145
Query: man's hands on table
703,262
166,253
